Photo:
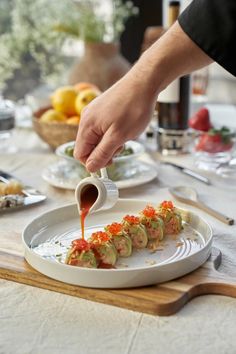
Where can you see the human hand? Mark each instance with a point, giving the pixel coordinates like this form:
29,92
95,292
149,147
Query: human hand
123,111
119,114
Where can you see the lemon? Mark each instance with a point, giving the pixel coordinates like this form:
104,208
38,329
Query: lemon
73,120
63,100
52,116
84,98
80,86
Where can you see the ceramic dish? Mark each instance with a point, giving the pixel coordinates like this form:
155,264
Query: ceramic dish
136,147
66,175
14,195
47,238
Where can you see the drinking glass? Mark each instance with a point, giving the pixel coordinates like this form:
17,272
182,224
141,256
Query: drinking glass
200,80
228,171
211,153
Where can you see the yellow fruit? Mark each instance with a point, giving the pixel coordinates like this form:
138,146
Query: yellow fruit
52,116
84,86
84,98
73,120
63,100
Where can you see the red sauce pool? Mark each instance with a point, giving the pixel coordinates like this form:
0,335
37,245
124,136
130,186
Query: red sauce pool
105,266
101,264
89,196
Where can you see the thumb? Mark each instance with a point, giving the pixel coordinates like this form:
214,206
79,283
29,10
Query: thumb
103,152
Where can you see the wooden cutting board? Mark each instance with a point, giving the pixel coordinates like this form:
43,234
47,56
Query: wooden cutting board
164,299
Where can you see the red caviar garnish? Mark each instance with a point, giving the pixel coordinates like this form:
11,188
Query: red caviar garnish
131,219
80,245
167,204
114,228
149,211
100,237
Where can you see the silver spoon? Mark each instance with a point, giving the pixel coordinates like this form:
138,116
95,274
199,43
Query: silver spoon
189,196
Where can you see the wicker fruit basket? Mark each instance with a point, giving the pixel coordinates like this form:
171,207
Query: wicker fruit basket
54,134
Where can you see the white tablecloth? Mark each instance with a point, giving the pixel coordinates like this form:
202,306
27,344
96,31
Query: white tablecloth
40,321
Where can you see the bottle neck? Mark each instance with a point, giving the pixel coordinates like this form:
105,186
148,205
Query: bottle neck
173,12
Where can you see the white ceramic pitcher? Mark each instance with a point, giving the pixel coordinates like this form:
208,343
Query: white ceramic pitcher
107,191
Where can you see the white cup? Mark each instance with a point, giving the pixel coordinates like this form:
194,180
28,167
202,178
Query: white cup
107,191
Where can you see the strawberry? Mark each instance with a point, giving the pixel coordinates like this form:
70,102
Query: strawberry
215,140
200,120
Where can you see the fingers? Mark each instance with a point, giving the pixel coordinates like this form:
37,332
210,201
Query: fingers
109,163
85,143
119,150
102,154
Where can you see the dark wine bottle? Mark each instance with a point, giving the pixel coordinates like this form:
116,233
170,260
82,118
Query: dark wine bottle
173,104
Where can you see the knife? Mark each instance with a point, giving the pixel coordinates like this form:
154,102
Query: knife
189,172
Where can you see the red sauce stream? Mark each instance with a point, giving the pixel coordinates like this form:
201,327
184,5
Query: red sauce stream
89,195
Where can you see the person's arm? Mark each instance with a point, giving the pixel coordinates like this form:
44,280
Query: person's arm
123,111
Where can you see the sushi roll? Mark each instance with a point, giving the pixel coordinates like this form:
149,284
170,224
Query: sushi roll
103,248
171,218
153,223
81,255
121,240
136,231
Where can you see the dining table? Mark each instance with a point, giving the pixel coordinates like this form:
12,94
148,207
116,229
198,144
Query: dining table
35,320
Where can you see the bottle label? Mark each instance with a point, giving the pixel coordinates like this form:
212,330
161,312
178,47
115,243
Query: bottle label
171,94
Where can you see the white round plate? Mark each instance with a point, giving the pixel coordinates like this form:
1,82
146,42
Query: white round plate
66,175
137,148
47,238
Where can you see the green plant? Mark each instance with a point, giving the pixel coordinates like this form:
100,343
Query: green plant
40,27
92,24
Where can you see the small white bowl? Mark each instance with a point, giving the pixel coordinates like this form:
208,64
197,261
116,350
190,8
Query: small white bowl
137,148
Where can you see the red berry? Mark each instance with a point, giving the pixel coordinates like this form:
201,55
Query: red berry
200,120
213,142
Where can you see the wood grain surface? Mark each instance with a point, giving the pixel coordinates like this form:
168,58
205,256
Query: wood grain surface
163,299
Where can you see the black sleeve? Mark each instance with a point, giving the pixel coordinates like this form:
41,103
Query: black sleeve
211,24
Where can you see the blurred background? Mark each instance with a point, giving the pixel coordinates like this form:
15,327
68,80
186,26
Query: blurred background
45,45
57,56
35,51
39,47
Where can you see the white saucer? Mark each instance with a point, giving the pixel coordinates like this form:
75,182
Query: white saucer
66,175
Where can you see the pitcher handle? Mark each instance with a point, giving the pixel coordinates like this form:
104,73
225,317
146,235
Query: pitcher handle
104,172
